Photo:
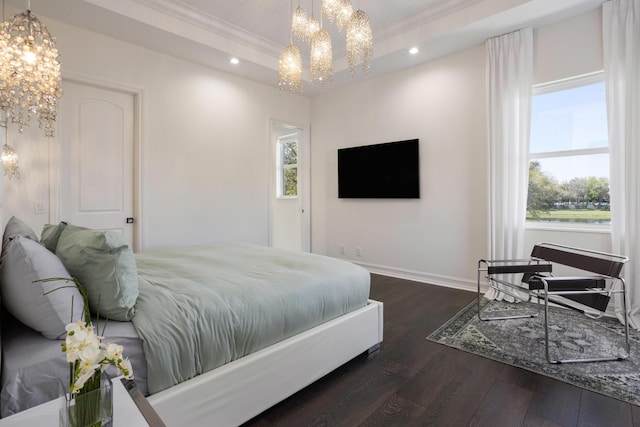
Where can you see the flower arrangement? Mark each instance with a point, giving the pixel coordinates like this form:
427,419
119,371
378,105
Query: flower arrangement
88,358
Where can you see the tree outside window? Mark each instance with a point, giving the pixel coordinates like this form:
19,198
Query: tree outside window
287,176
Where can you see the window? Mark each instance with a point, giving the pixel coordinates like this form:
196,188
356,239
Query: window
569,153
287,164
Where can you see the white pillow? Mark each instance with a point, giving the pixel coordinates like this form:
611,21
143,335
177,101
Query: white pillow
24,262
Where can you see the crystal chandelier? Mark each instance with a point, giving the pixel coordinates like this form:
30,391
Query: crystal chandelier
29,72
299,23
330,9
321,57
343,14
9,157
290,68
290,64
359,41
10,162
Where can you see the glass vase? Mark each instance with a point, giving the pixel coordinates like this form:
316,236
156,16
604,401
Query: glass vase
90,407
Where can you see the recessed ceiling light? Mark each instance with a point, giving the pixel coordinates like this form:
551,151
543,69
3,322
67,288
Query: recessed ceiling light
414,50
234,61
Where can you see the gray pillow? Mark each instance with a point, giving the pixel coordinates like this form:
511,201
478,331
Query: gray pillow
51,234
105,267
26,261
17,227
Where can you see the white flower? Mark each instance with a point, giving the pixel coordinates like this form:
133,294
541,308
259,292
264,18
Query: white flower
85,374
87,355
126,369
114,351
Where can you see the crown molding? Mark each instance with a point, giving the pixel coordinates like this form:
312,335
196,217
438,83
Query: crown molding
434,11
193,17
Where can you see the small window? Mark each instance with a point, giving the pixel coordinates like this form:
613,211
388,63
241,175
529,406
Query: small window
287,166
569,154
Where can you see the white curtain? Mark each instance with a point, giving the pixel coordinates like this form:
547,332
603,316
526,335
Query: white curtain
621,36
509,81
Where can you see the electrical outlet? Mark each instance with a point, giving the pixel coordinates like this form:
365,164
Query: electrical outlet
358,251
343,249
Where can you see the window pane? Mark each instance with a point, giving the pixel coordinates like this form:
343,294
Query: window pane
564,169
572,186
290,153
569,119
569,189
290,182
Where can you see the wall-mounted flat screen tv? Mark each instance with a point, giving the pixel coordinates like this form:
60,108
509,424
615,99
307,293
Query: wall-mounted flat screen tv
381,171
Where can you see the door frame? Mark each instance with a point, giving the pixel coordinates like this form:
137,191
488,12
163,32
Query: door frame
304,180
54,151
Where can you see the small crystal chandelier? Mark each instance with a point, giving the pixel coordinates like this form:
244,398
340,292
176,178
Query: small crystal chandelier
313,26
9,157
29,72
330,9
290,68
290,65
321,57
299,23
343,14
10,162
359,41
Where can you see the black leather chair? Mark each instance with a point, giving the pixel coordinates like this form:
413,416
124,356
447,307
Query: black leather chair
595,277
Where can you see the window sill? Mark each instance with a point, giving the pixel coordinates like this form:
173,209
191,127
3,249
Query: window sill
568,227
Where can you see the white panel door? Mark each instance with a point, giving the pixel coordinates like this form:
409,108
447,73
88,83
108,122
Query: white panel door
96,158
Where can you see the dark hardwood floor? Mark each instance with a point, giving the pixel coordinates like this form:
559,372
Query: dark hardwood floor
414,382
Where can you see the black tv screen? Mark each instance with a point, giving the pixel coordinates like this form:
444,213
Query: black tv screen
381,171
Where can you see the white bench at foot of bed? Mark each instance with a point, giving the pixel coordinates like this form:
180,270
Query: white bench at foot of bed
238,391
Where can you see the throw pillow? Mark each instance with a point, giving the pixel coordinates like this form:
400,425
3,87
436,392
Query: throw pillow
51,234
17,227
46,307
106,268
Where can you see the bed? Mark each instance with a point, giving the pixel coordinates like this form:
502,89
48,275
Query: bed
216,333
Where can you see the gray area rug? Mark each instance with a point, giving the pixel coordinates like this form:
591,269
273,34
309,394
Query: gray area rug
520,342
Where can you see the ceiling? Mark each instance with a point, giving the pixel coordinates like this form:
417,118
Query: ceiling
210,32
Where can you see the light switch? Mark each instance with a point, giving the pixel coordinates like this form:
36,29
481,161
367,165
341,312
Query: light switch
38,207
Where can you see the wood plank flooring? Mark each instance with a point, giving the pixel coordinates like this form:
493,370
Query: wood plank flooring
414,382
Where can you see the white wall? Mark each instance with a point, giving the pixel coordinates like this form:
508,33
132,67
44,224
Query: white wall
568,48
439,238
205,142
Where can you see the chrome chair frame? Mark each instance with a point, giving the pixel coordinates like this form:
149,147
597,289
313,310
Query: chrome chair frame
588,295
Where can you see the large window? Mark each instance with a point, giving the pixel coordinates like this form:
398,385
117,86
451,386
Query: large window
287,166
569,153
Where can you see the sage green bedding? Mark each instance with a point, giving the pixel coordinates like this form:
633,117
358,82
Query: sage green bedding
203,306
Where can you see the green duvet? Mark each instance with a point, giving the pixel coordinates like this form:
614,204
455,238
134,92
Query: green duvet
203,306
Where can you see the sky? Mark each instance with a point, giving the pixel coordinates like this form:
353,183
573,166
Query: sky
571,119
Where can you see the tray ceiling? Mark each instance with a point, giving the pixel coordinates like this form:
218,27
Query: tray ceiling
210,32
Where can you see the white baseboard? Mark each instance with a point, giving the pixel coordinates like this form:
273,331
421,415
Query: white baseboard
435,279
418,276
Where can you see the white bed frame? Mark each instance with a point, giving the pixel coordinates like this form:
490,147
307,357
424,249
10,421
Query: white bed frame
236,392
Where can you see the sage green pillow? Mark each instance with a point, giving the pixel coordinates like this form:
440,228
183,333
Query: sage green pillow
51,234
105,266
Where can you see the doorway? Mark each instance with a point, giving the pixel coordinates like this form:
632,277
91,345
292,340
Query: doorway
289,226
